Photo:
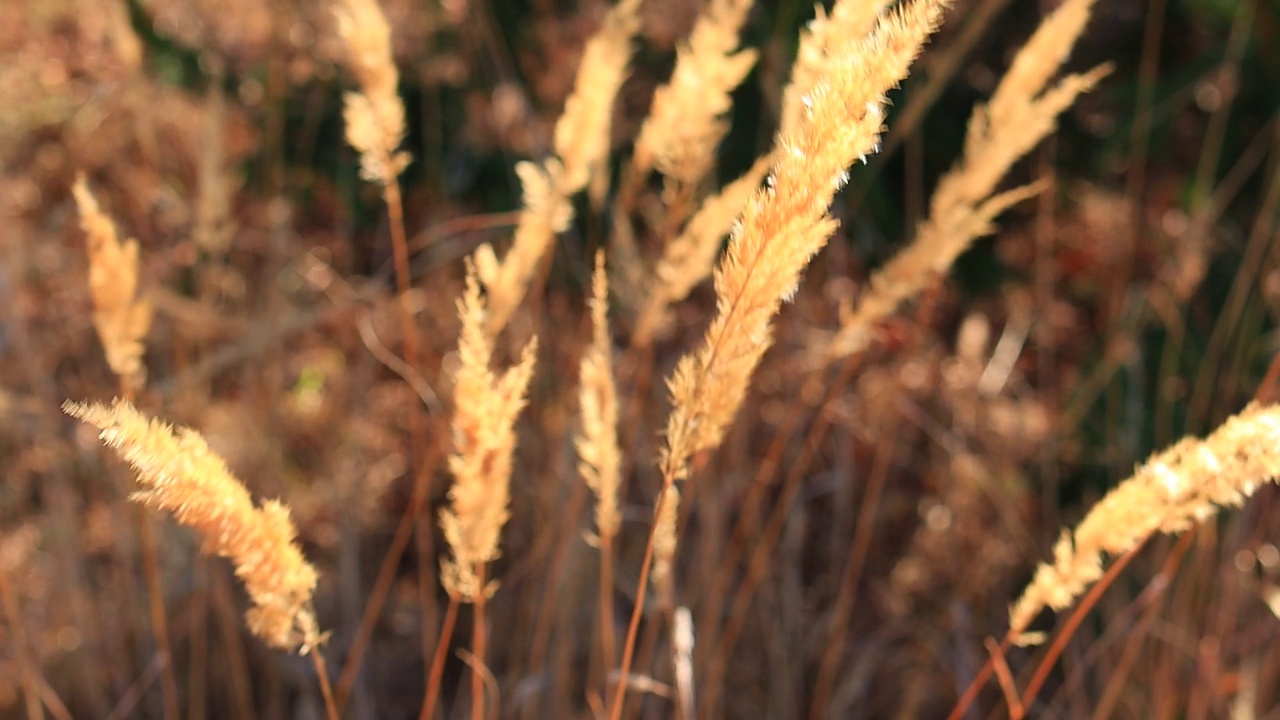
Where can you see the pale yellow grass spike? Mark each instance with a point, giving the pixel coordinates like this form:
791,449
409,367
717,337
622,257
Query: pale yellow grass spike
689,258
665,536
1040,59
1172,491
484,438
686,121
180,475
785,224
598,453
546,212
1021,114
582,143
848,21
374,116
582,132
120,316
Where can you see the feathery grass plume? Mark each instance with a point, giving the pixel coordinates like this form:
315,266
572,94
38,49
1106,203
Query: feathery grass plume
1021,113
582,132
484,437
1171,492
179,474
374,116
848,20
582,143
598,397
785,224
686,122
120,316
546,212
689,258
664,535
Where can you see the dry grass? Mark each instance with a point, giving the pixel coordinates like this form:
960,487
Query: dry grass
849,472
180,475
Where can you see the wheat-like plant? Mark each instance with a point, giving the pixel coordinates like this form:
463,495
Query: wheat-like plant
785,224
598,453
120,315
1021,113
180,475
599,458
582,145
582,132
690,257
1172,491
546,212
484,438
374,115
782,227
820,42
686,122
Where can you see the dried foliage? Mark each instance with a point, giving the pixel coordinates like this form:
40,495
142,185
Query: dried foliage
690,257
686,123
374,116
784,226
121,317
600,460
849,520
1171,492
1020,114
820,42
182,476
484,415
581,141
582,133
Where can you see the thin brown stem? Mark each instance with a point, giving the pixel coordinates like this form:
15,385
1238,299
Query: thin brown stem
847,598
159,621
438,659
1073,623
326,690
478,640
412,357
633,628
758,563
975,686
607,641
26,665
1135,637
155,591
1005,678
386,576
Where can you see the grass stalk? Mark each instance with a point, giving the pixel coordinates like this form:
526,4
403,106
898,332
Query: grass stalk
1072,624
386,576
159,619
326,690
847,596
478,642
438,659
633,626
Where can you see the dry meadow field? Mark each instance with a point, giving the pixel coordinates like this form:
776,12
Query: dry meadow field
630,359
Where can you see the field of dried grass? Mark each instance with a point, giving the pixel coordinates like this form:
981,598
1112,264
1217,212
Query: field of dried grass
639,359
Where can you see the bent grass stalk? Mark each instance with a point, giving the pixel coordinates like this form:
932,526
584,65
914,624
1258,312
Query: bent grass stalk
582,148
484,414
180,475
375,126
122,318
599,456
782,227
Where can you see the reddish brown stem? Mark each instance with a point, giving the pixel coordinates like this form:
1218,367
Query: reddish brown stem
438,659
